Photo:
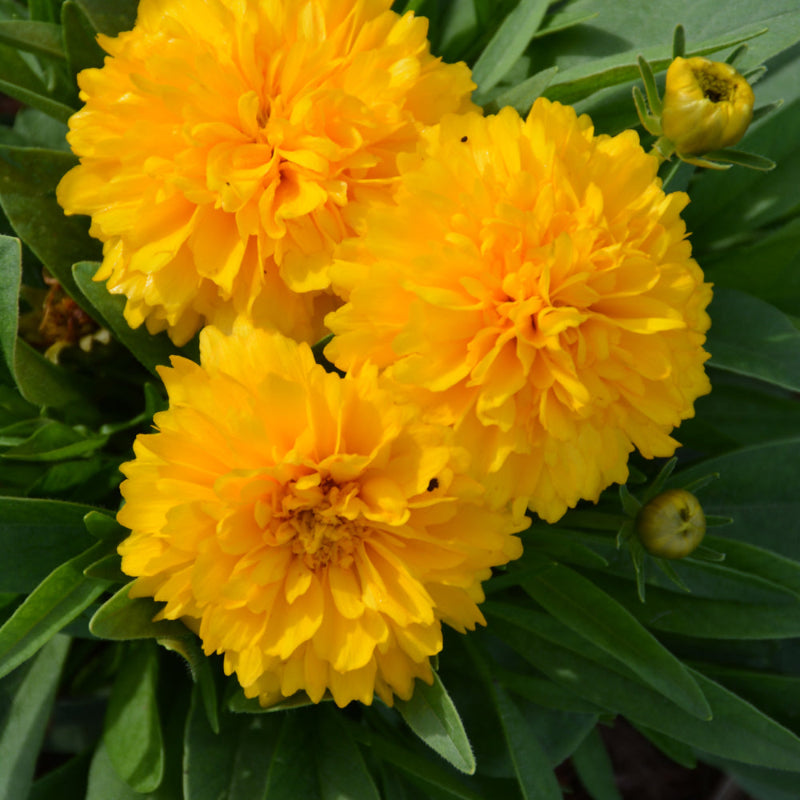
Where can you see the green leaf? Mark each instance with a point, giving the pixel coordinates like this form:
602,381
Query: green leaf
579,604
709,617
742,159
102,526
543,692
53,108
122,618
132,733
80,42
41,38
149,350
56,601
679,752
522,95
104,782
66,782
582,80
755,493
749,559
751,337
594,768
55,441
231,765
508,43
430,713
776,695
290,773
110,18
32,171
419,769
27,713
532,767
341,771
36,536
737,729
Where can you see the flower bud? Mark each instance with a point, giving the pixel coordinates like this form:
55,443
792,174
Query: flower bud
707,105
672,524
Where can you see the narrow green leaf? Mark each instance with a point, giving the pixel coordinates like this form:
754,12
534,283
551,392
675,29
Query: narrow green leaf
421,770
544,692
66,782
26,716
38,101
650,88
290,773
341,771
80,44
149,350
104,782
579,604
58,599
594,768
584,79
709,617
742,159
110,18
36,536
522,96
41,38
552,23
430,713
749,559
508,43
55,441
132,733
751,337
230,765
121,618
679,752
679,42
532,767
102,526
737,729
107,568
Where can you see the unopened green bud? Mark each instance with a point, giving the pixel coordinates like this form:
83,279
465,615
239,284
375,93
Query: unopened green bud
672,524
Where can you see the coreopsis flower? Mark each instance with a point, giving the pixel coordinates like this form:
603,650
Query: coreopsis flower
307,526
707,106
533,287
226,146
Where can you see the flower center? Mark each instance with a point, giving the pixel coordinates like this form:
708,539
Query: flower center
715,88
321,538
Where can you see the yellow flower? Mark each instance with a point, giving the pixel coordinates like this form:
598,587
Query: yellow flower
307,526
227,145
534,288
707,105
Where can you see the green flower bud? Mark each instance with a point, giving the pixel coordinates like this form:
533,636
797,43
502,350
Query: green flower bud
672,524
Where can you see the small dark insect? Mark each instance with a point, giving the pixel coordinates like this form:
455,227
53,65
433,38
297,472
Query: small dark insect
434,484
464,138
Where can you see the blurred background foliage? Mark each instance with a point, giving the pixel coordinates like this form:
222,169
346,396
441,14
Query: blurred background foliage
709,674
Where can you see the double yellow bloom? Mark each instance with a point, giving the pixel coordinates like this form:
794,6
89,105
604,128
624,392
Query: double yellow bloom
519,310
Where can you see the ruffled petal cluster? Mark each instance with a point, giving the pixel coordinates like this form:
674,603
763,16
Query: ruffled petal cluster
226,146
307,526
532,287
